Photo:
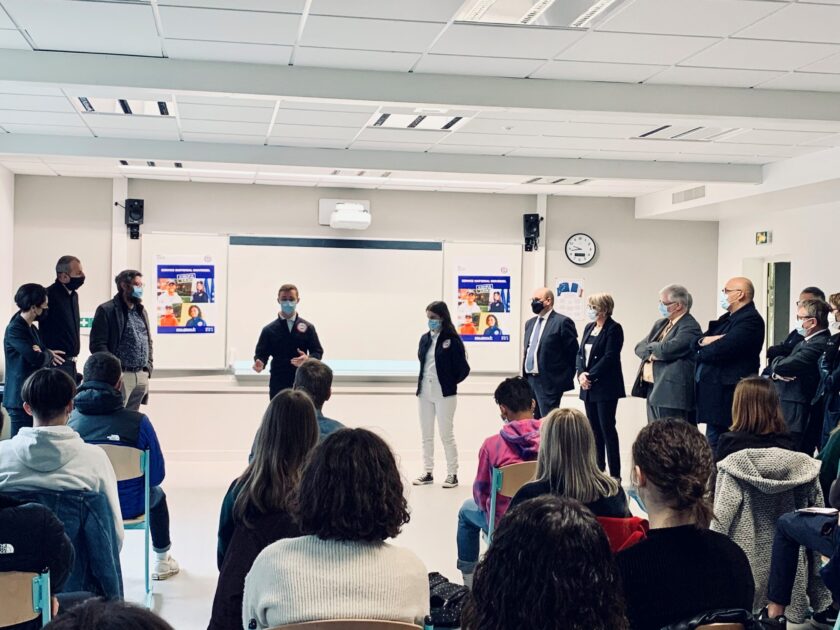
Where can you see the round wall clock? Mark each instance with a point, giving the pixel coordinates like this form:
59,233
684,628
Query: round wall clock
580,248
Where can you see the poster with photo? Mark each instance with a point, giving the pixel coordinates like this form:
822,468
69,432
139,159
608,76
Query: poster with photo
570,301
483,308
186,298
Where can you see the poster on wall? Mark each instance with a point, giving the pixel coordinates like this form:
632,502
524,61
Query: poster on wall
570,301
186,295
483,312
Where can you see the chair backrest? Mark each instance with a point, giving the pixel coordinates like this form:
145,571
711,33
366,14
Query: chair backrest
349,624
514,476
26,596
623,533
128,462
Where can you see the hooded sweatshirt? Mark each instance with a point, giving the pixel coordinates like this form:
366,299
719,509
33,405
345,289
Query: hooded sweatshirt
754,488
56,458
518,441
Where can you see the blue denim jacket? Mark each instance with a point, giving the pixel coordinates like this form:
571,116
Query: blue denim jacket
89,524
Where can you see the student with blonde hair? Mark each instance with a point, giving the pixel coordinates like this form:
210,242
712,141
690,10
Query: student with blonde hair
567,466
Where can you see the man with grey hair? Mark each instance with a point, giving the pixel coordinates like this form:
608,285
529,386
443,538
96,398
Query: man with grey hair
666,375
60,329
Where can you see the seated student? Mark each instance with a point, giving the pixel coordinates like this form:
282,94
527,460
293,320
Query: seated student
32,539
518,441
256,510
315,378
549,567
100,417
567,466
349,502
100,614
757,420
682,568
50,455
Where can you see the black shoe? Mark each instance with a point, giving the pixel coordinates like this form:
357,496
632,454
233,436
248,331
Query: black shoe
771,623
451,481
424,480
825,619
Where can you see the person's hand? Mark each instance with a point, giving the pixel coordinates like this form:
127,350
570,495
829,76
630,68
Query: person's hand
784,379
300,358
54,606
705,341
258,366
36,348
584,381
58,357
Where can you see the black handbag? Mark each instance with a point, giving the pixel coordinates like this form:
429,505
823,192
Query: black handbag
445,601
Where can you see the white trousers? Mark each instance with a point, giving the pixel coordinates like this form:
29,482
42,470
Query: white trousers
432,404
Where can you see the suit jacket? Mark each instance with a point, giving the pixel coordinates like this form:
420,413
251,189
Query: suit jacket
604,365
556,354
802,365
21,358
673,369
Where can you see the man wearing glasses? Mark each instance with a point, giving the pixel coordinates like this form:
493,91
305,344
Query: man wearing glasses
786,347
727,352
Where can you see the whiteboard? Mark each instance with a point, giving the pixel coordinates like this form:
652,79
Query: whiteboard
187,351
367,304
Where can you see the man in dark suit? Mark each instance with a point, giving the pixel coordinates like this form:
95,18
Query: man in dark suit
786,347
727,352
797,375
551,348
666,375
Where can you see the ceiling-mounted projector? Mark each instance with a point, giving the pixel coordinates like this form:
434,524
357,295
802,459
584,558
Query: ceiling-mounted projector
340,214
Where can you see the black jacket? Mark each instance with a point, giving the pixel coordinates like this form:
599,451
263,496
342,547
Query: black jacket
60,329
802,364
450,361
556,354
829,365
282,345
604,366
21,358
785,348
109,324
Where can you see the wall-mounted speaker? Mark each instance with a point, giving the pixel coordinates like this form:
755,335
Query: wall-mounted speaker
134,209
531,230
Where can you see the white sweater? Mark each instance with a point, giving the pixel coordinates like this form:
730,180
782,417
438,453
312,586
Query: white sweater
307,579
56,458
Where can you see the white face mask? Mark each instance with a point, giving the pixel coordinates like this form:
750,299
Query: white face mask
834,327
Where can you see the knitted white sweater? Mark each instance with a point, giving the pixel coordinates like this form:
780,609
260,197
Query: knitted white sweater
306,579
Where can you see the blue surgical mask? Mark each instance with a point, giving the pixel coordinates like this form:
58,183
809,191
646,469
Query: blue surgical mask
801,330
287,306
434,324
137,292
724,301
663,310
591,314
633,493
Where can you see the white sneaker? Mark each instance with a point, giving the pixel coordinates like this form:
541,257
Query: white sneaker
165,569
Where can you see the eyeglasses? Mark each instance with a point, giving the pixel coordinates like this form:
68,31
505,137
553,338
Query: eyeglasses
802,319
725,290
666,303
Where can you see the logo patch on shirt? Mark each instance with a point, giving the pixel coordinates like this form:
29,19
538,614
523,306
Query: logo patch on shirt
446,343
6,548
301,327
113,437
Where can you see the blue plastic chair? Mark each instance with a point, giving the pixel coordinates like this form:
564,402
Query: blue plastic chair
128,462
507,481
26,595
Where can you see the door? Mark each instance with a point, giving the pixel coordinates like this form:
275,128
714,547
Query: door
778,302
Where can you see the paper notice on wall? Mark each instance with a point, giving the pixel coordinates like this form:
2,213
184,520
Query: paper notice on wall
186,295
570,301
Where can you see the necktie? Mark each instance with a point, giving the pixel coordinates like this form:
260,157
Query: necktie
532,347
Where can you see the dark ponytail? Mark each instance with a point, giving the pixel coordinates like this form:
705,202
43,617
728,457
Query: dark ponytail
442,310
677,459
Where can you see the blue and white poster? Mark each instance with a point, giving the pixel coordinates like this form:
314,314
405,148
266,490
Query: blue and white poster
483,313
186,298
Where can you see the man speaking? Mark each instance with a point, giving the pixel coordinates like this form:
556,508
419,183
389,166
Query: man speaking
289,341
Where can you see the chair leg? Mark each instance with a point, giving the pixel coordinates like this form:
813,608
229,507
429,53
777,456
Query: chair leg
148,573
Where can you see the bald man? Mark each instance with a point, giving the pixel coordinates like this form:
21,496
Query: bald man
727,352
551,348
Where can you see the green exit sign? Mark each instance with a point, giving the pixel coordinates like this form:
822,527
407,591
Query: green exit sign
85,323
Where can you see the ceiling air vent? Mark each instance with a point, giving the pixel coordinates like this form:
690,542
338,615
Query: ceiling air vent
357,173
123,106
688,195
688,133
409,119
556,181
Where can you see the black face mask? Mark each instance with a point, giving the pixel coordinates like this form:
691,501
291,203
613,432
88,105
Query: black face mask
537,306
42,316
75,283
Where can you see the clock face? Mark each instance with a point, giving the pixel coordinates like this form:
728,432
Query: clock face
580,249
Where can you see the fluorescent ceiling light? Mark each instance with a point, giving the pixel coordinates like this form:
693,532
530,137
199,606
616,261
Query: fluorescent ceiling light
550,13
124,106
587,17
533,14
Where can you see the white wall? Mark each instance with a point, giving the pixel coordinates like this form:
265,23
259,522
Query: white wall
7,213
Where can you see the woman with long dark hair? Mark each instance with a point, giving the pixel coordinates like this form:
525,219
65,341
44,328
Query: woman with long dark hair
257,508
443,364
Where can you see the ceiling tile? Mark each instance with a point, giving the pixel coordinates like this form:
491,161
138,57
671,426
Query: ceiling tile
805,81
321,117
415,136
774,136
594,71
228,51
20,87
225,126
225,101
39,118
355,59
799,22
550,128
28,168
50,130
832,140
721,148
122,121
355,33
284,6
229,26
622,47
552,153
143,134
223,112
720,77
34,103
105,27
361,145
436,11
222,138
494,40
327,105
312,132
470,149
829,65
485,66
10,38
760,55
715,18
5,21
315,143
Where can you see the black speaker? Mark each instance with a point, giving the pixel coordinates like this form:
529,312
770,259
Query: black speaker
531,231
134,212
